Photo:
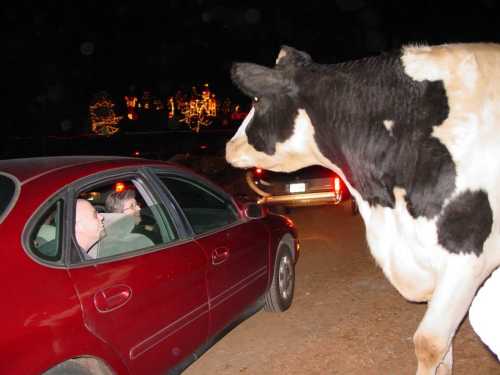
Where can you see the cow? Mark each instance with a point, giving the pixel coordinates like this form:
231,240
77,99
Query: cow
415,135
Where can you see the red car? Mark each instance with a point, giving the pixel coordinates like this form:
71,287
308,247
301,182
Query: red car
193,264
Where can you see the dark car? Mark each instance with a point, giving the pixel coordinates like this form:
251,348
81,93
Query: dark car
309,186
164,289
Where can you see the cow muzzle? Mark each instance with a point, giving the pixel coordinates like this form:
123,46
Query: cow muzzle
240,154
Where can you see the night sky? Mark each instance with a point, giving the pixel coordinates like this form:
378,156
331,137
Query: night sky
60,53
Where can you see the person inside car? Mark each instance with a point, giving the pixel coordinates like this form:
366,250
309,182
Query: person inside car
103,235
124,202
89,227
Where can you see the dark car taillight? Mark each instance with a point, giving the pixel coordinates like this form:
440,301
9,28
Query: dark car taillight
337,188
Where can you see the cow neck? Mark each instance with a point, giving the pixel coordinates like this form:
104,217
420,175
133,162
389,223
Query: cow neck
375,123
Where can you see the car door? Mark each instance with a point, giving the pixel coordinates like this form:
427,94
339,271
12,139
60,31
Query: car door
149,304
237,270
237,249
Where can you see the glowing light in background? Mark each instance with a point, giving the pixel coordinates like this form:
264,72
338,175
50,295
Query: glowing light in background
103,118
200,110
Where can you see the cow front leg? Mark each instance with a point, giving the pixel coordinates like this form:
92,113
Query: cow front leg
446,366
445,311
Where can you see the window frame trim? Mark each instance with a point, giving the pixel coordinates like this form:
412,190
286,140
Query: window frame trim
15,195
34,220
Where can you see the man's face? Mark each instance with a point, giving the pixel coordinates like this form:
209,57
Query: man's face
89,222
130,207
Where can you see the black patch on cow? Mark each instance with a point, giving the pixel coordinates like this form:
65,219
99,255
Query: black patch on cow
271,127
347,104
270,89
466,223
256,81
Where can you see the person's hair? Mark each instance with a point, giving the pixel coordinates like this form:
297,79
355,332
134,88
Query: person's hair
115,200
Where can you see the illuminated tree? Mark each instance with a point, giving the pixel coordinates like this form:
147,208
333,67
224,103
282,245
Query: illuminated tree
103,118
200,110
131,103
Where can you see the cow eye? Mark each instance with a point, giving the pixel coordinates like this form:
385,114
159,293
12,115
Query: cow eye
255,99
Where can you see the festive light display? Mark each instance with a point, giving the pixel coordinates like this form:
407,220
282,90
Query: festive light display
157,104
200,110
103,118
237,114
171,107
197,110
146,100
131,102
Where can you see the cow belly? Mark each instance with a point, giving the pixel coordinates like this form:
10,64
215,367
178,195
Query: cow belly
406,249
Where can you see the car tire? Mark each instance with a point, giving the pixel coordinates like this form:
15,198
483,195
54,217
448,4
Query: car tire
280,294
69,368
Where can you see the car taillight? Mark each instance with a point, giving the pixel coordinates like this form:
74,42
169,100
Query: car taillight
336,185
337,189
258,171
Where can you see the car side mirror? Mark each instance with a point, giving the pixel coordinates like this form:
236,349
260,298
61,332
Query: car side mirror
253,210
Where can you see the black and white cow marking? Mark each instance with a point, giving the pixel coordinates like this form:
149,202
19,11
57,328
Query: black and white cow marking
415,134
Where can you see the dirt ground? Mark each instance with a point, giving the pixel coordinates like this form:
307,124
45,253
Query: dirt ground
346,318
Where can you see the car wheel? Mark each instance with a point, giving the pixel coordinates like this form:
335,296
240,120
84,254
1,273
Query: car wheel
280,294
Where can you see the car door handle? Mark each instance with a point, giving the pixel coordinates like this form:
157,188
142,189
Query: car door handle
112,298
220,255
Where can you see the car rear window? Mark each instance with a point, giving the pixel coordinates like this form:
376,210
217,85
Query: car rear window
308,173
7,194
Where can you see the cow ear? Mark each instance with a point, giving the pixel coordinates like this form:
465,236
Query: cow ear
290,56
256,80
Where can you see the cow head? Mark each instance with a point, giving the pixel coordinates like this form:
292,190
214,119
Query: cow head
277,133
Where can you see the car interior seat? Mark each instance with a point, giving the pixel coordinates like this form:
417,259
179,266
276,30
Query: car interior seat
45,240
46,233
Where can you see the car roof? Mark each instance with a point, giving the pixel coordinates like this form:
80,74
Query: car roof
27,169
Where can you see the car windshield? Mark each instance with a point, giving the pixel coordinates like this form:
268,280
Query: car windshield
7,193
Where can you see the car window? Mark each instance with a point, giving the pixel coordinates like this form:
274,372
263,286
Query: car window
45,239
204,209
7,194
124,217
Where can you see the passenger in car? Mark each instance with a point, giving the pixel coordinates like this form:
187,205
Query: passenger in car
102,235
124,202
120,238
89,227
